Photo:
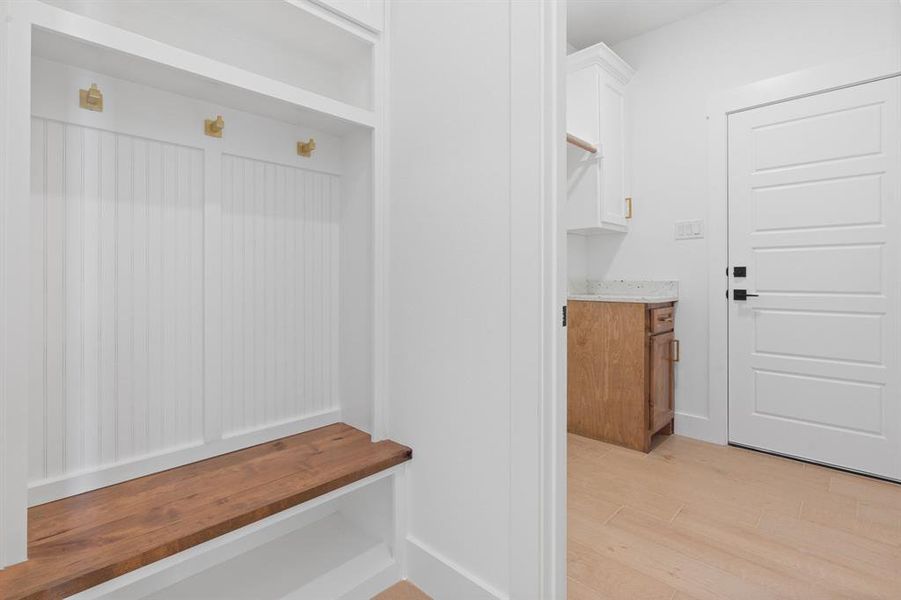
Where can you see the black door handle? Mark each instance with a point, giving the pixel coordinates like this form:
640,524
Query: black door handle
742,295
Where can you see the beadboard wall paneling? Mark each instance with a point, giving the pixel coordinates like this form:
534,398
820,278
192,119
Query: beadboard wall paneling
117,367
280,280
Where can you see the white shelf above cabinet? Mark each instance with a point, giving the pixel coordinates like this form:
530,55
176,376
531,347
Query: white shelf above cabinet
596,113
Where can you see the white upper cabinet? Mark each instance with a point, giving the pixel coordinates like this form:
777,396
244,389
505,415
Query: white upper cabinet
595,112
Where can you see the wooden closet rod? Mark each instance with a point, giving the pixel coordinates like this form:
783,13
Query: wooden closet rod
579,142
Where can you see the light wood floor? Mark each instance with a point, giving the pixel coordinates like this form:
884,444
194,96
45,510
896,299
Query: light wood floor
697,521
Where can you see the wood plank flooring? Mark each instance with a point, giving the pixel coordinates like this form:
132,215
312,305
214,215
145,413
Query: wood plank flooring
695,521
403,590
81,541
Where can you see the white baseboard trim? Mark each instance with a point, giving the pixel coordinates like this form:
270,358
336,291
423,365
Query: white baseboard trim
699,428
48,490
442,579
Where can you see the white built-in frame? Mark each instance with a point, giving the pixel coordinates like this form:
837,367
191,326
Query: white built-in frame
366,13
199,77
714,426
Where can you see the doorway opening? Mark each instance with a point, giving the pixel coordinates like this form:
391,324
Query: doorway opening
701,511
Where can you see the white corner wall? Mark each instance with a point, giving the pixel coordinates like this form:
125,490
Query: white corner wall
450,278
679,67
473,322
356,283
576,257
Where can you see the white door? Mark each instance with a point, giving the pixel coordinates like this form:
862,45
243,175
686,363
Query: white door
814,216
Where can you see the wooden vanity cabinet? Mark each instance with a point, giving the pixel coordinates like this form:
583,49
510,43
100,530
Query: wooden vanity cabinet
620,371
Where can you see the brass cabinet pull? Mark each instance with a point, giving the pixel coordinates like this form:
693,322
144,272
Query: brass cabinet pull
629,207
675,351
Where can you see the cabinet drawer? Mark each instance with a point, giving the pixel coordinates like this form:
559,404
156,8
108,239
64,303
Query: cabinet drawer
661,319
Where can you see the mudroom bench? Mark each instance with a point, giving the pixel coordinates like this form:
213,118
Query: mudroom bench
301,516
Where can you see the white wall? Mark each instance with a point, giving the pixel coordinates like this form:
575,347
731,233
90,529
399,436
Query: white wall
577,257
470,234
355,324
450,278
679,67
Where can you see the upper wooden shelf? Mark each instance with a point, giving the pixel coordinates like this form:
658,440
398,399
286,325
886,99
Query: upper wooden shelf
79,542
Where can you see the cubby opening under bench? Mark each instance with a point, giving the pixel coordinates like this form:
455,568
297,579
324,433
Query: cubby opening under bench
306,516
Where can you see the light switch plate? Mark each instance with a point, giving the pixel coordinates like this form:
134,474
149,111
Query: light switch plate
689,230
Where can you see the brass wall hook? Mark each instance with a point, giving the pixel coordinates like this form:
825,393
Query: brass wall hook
306,148
91,99
213,128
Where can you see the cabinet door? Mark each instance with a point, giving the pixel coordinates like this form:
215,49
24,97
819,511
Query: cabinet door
596,183
612,116
660,380
606,381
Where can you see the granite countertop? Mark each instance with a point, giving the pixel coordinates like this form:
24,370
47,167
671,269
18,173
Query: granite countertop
621,290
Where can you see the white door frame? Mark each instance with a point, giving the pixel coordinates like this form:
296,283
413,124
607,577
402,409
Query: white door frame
853,71
15,197
538,292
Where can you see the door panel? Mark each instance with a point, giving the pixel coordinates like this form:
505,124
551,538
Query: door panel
830,336
814,215
820,400
819,269
818,204
808,138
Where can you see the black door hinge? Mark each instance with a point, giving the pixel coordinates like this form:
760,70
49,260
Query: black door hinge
564,315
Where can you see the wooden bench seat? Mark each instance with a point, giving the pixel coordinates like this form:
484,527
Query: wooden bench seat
79,542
